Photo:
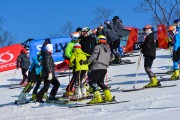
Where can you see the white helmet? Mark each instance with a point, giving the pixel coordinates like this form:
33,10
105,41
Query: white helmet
75,35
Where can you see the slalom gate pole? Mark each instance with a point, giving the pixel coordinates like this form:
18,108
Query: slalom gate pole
13,76
138,67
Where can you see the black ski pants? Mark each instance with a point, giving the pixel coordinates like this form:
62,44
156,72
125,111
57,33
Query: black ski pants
33,79
45,88
97,78
148,61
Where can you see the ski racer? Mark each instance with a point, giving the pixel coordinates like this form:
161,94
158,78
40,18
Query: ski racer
149,53
48,74
34,75
176,51
80,71
99,62
68,52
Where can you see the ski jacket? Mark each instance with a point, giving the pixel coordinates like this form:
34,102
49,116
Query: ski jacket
47,63
23,61
87,44
69,49
110,33
101,57
149,46
76,56
177,40
36,64
118,27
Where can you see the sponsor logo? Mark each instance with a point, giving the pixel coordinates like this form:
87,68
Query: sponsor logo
6,57
39,47
8,65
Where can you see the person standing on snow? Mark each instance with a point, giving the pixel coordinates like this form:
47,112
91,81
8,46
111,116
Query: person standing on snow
99,63
171,33
48,74
34,76
149,53
176,51
80,71
88,41
23,63
68,52
113,41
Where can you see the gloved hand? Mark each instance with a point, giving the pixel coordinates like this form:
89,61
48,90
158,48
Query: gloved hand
83,62
50,76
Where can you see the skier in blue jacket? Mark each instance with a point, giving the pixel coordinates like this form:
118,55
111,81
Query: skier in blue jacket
176,51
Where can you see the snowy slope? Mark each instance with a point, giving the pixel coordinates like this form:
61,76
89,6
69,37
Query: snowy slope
150,104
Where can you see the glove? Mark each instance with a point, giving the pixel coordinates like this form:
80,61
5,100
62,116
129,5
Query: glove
50,76
83,62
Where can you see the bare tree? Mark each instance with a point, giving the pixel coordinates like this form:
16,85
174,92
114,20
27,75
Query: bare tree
101,15
6,38
164,11
65,30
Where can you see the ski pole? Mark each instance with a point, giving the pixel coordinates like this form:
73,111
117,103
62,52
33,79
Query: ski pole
138,67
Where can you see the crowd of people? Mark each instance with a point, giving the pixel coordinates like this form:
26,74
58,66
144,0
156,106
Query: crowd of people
89,54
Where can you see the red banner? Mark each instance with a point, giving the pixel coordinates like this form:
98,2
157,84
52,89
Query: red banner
8,57
162,37
133,37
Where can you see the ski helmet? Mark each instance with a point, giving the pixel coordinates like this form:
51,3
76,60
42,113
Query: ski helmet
147,27
77,45
75,36
49,48
85,29
107,22
101,39
78,29
171,28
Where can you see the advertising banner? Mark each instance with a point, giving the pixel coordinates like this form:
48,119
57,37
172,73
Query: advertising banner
59,45
8,57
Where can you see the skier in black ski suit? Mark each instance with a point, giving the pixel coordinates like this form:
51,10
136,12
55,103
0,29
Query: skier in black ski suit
48,74
149,53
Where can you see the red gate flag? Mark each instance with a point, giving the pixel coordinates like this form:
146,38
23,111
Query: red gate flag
162,36
133,37
8,57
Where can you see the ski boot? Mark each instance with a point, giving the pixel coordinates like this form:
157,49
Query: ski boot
107,96
33,98
68,94
153,83
45,96
175,75
22,98
97,98
83,92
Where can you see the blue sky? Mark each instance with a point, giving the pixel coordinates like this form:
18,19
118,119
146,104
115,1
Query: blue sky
40,18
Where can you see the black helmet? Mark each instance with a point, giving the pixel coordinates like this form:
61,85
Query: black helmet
78,29
48,40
